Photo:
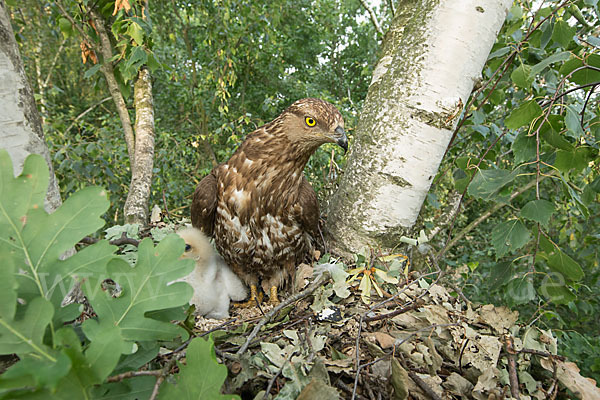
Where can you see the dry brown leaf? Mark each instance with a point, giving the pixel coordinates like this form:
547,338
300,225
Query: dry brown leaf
568,374
303,274
499,318
87,52
384,340
119,4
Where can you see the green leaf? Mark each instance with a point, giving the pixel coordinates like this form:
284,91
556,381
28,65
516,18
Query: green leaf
140,387
65,27
509,236
572,121
522,76
575,198
538,211
523,115
584,76
105,349
539,67
144,289
137,57
487,182
92,70
519,291
136,32
501,274
556,291
565,265
577,158
40,372
550,133
200,362
524,147
563,33
24,334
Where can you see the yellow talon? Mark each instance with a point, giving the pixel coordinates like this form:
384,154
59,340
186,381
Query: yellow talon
254,296
273,300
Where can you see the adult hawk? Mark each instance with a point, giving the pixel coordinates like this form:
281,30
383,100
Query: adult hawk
258,206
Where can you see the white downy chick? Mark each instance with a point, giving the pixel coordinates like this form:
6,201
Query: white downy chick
213,282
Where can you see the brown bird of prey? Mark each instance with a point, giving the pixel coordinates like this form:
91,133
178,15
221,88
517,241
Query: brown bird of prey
258,206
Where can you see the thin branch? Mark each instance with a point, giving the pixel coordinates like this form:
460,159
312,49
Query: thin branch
421,383
272,380
566,92
116,242
84,113
113,86
512,367
163,374
587,99
133,374
298,296
392,9
372,16
484,216
54,61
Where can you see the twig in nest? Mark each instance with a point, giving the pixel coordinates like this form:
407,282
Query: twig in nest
273,379
381,303
346,388
132,374
399,311
542,354
163,374
298,296
420,382
512,367
116,242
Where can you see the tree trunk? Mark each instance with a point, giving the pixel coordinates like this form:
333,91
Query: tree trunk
21,131
432,56
136,206
113,86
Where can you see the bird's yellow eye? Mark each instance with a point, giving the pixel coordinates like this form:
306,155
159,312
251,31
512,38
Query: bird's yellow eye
310,121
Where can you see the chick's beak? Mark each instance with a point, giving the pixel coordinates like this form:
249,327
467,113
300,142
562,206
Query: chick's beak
341,138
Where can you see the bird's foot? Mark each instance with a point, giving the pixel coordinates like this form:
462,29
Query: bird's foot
273,300
255,299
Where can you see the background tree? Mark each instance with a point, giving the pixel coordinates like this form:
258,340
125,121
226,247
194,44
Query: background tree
130,26
20,126
431,58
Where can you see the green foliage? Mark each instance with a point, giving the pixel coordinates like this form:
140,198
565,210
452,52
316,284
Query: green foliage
200,362
528,150
220,69
60,357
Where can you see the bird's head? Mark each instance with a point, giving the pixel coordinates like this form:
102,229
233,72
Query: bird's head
197,246
310,123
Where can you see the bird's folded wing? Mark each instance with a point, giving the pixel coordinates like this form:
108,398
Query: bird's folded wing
204,204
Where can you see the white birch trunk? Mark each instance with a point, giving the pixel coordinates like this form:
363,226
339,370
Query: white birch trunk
432,56
136,205
21,131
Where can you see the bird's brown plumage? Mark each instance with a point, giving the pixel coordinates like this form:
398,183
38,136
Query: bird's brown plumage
258,205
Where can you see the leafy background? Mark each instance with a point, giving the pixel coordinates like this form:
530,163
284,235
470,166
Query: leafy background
524,159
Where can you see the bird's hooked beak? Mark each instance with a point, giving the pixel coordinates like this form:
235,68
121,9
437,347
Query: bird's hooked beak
341,139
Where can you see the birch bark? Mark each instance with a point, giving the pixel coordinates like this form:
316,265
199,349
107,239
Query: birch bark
432,56
21,131
136,205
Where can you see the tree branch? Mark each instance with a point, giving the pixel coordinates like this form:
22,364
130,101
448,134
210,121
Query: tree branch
113,86
372,16
54,61
484,216
298,296
84,113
